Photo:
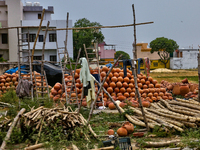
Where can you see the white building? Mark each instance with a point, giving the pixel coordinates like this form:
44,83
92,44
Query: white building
30,15
184,59
10,15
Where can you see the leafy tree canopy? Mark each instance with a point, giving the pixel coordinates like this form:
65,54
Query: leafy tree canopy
163,46
85,36
125,55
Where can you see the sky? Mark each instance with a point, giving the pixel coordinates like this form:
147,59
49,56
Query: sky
174,19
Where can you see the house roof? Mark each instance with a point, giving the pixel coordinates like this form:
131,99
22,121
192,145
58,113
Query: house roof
37,9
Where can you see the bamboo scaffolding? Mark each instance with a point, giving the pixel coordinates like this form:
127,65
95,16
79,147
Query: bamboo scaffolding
99,27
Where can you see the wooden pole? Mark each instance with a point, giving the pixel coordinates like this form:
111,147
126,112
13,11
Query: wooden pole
199,76
134,25
37,35
35,146
11,128
43,50
118,26
102,83
135,74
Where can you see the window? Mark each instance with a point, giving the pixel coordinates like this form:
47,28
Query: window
39,16
4,38
32,37
37,57
52,37
53,58
40,38
155,64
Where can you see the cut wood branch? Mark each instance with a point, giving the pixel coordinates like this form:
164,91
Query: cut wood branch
11,128
161,144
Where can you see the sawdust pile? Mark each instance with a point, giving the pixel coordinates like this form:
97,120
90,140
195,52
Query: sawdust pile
162,70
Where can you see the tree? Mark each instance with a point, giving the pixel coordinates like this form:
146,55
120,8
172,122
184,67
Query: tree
125,55
85,36
163,46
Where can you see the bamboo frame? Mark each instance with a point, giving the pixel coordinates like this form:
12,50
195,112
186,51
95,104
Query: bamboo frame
118,26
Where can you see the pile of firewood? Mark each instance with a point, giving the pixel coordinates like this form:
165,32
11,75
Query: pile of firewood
63,117
176,114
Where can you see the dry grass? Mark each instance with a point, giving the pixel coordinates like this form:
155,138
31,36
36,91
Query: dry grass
177,76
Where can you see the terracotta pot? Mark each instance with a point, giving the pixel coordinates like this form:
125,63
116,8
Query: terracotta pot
138,134
129,127
184,89
122,131
146,103
111,132
185,80
176,90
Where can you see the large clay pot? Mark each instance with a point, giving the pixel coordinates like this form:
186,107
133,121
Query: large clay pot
184,89
176,90
122,131
129,127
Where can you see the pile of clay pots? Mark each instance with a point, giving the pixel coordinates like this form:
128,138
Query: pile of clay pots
183,88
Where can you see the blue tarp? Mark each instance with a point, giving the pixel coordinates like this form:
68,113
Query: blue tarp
109,65
13,70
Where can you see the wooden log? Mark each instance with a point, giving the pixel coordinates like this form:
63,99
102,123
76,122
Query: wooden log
169,120
185,104
105,148
152,117
176,110
173,115
34,146
7,104
185,108
135,121
161,106
154,105
160,144
189,118
11,128
28,113
189,124
190,101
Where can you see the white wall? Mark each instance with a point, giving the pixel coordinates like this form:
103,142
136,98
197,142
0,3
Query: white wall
34,16
188,61
14,8
60,34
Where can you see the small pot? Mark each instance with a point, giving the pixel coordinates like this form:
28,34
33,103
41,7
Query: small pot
138,134
185,80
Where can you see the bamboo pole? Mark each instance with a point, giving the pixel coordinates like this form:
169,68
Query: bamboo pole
161,144
118,26
94,102
34,146
177,110
185,104
37,35
109,96
11,128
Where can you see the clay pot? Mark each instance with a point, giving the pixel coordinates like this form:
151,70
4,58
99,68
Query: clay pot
129,127
176,90
184,89
111,106
185,80
111,132
170,87
146,103
122,131
138,134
